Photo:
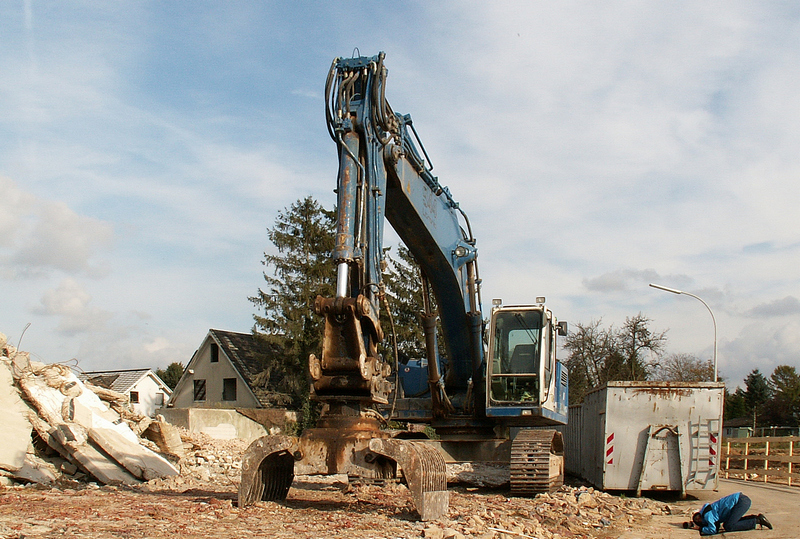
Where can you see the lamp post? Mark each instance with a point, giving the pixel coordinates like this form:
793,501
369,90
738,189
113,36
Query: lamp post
672,290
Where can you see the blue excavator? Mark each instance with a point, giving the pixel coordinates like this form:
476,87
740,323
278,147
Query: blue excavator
490,398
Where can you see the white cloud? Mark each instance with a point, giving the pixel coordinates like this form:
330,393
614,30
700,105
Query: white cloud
622,280
42,236
14,206
762,346
70,303
157,345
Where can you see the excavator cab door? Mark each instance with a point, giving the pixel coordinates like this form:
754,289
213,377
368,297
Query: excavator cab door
515,356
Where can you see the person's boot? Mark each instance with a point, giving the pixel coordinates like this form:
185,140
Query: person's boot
763,521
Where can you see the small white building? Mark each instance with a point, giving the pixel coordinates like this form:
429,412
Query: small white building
146,391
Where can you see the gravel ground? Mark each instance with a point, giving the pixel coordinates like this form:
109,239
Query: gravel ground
201,502
313,511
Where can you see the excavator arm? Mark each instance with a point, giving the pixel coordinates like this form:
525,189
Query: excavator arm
382,175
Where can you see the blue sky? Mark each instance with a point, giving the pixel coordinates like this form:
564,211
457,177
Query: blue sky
145,147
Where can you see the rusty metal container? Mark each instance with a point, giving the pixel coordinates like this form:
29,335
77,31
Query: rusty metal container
637,436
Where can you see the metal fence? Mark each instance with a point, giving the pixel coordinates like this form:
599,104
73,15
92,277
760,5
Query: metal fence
767,458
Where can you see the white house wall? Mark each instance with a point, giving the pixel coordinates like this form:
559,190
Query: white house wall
201,368
148,390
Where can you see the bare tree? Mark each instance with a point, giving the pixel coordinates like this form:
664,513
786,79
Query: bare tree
592,358
685,368
598,355
640,347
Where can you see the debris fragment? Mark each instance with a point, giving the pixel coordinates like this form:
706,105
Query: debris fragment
75,428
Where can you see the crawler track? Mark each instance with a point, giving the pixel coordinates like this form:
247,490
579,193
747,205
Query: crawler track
537,462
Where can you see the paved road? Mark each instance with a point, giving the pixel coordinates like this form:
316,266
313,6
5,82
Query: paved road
781,504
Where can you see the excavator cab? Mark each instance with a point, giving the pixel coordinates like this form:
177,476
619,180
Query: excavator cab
516,360
523,375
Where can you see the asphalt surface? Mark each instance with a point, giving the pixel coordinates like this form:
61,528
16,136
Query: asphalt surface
781,505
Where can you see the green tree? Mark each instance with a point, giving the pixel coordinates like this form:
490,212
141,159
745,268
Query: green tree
735,404
298,271
784,407
757,394
171,375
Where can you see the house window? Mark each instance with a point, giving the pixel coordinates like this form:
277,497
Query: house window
159,399
214,352
229,389
199,390
134,397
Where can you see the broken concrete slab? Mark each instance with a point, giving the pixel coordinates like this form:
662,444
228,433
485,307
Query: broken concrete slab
45,399
104,469
46,433
60,397
138,460
80,413
15,429
167,437
34,470
52,402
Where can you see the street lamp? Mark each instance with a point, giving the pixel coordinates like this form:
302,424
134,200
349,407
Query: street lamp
672,290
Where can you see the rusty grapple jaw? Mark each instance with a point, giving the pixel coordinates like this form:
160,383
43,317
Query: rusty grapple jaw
267,469
425,473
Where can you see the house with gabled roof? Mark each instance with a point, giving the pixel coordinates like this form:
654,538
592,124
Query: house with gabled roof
226,391
227,371
145,390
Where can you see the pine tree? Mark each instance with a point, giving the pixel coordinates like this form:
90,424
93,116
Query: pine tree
735,404
301,269
756,395
404,291
784,407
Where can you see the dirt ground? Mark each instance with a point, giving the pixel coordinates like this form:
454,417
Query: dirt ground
201,502
363,511
317,511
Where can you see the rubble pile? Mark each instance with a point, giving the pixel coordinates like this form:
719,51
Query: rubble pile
207,461
568,512
57,427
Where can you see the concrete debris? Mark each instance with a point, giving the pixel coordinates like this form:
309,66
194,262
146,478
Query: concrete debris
167,437
15,429
568,512
478,474
57,427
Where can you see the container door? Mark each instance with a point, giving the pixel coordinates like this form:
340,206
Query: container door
662,460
